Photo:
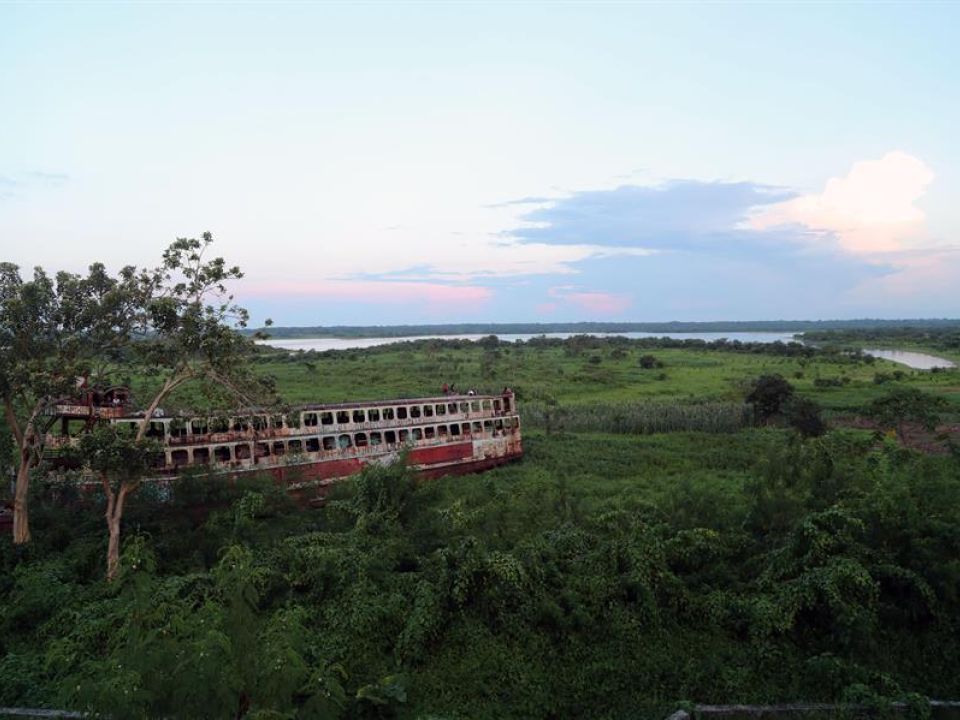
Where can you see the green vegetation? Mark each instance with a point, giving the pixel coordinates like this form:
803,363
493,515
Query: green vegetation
684,526
605,576
943,341
691,372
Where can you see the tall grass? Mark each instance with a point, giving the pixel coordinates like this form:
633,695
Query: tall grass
639,418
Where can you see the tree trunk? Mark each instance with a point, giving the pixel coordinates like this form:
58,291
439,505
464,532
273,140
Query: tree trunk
113,517
26,443
21,518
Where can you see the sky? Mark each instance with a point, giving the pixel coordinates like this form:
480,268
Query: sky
392,163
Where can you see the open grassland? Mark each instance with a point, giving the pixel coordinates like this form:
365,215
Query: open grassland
610,374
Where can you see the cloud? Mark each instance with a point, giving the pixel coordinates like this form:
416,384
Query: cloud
375,292
870,210
593,302
677,215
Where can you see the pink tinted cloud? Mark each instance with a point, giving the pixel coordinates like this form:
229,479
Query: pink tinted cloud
374,291
600,302
594,302
546,308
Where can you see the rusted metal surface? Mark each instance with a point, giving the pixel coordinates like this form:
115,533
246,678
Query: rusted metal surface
314,445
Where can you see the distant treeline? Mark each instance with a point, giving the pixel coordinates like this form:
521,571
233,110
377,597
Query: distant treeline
943,337
370,331
577,344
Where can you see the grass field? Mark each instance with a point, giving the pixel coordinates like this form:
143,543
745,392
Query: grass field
605,375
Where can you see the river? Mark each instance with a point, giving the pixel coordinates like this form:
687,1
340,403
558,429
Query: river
910,358
321,344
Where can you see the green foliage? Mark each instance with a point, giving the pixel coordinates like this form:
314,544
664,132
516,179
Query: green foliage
624,565
606,576
904,405
768,394
804,415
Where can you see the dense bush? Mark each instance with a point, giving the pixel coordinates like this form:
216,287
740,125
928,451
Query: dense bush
744,568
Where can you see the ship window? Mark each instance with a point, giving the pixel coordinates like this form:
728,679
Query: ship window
485,404
156,430
442,430
198,427
326,418
415,411
388,413
310,419
259,422
201,456
222,453
376,438
313,444
358,416
390,437
464,407
276,421
344,442
499,424
427,411
179,457
241,452
279,448
429,432
455,429
404,435
263,449
240,425
401,413
475,406
329,442
488,427
295,446
373,415
417,433
178,428
506,404
441,409
496,406
477,428
343,417
360,440
452,408
219,425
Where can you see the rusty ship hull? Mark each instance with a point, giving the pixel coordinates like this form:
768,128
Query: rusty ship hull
309,448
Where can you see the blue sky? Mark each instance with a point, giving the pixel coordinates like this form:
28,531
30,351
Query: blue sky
385,163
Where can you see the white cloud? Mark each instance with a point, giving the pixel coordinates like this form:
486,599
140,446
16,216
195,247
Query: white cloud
870,210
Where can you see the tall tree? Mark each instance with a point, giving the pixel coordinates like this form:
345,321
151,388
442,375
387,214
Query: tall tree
907,405
187,331
53,333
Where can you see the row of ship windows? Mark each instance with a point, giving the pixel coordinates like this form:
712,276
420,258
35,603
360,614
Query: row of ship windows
242,451
203,426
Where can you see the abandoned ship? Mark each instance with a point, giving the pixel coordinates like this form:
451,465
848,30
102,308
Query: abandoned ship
312,446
